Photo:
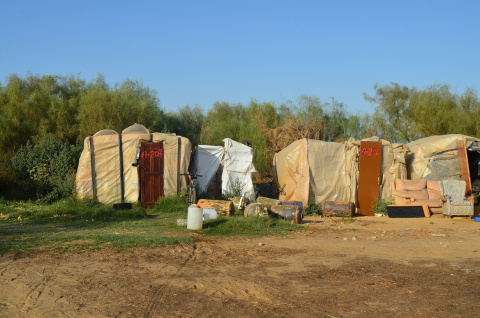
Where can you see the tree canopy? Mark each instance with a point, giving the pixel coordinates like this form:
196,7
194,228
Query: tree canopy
69,109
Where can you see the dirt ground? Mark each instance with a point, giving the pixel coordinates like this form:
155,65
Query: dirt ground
369,267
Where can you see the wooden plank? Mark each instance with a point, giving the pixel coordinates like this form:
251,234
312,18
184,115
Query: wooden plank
463,161
426,210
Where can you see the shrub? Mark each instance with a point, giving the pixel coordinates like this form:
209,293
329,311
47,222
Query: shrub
312,208
380,205
236,190
49,167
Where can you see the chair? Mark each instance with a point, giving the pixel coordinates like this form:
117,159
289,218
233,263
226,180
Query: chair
454,200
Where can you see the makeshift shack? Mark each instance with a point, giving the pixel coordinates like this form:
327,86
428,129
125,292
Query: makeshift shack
234,161
329,171
134,165
445,157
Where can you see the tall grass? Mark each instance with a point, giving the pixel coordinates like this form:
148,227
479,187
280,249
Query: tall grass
75,226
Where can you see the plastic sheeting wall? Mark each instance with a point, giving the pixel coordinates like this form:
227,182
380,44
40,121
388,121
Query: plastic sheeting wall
107,165
237,162
332,171
318,169
435,157
238,165
207,162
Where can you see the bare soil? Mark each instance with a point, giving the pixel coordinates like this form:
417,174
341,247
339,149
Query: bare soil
369,267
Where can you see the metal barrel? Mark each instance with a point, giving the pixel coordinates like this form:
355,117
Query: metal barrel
256,209
338,208
292,213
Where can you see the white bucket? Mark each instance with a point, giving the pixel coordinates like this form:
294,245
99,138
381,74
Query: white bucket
194,218
210,214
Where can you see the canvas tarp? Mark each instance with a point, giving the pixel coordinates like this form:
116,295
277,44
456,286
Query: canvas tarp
236,160
316,169
328,171
435,157
107,172
238,167
206,164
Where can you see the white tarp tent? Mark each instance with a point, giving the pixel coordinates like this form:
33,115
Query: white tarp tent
207,161
237,162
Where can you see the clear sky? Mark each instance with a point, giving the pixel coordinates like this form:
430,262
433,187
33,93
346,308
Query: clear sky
199,52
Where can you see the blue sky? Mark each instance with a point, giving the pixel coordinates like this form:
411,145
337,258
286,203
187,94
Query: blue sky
199,52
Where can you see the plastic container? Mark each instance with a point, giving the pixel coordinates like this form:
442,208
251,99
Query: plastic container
210,214
195,218
182,222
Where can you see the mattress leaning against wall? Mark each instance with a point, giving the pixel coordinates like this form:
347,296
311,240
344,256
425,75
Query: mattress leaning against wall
104,181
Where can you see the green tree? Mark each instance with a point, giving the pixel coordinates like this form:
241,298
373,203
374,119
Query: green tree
128,103
393,113
238,122
404,114
186,122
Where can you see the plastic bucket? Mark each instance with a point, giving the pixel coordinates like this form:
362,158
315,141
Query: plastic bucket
195,218
210,214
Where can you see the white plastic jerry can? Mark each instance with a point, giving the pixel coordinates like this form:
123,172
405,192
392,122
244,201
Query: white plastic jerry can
195,218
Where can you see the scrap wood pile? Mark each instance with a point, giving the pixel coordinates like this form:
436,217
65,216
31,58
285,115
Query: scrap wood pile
280,137
291,211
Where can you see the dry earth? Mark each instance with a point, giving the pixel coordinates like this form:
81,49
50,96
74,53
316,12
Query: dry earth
370,267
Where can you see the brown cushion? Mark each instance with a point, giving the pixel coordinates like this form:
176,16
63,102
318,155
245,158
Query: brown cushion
419,194
433,189
408,185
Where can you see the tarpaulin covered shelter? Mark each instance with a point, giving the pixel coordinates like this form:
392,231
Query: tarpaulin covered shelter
108,171
235,158
328,171
444,157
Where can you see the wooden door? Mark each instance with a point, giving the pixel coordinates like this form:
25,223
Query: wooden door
369,178
151,172
463,161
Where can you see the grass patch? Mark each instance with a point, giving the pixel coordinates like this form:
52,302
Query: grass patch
77,226
249,227
66,210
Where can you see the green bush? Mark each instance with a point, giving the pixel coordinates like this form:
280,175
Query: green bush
49,167
312,208
236,190
380,205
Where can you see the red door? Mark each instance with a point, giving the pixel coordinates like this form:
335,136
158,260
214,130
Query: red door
369,177
151,172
